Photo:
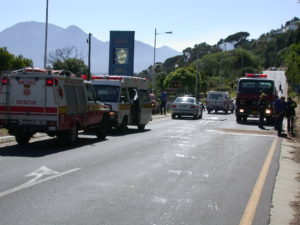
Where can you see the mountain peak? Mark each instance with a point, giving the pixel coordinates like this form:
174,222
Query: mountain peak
31,45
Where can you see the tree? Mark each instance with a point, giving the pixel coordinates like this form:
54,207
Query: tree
68,58
10,62
293,64
5,59
65,53
76,66
184,75
238,39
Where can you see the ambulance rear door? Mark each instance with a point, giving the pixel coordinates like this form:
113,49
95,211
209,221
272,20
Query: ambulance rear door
31,99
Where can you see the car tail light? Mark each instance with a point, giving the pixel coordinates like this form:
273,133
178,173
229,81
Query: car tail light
4,80
174,106
51,123
49,82
193,107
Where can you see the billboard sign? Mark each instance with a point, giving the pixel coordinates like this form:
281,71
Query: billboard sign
121,53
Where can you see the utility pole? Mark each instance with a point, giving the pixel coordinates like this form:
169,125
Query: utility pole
196,75
89,57
46,36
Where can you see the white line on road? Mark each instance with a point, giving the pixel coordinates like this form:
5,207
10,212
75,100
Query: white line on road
30,183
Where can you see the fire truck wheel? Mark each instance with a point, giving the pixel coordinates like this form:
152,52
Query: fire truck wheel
141,127
22,139
238,119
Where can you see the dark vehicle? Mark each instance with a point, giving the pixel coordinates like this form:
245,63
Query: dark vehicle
249,90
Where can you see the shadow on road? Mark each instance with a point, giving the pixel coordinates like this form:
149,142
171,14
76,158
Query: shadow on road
42,148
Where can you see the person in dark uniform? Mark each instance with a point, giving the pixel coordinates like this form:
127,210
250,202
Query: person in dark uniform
163,103
262,105
290,114
280,108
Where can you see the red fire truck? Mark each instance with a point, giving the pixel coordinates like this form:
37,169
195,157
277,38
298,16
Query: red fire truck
248,92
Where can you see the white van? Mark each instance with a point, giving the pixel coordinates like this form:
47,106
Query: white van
128,98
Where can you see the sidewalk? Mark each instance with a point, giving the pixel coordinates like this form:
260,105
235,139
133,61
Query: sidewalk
286,195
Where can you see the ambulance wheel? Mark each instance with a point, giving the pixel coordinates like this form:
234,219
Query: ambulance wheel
68,137
141,127
22,139
101,131
123,126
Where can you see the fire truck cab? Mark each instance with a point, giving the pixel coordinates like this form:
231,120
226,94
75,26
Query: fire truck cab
54,102
248,93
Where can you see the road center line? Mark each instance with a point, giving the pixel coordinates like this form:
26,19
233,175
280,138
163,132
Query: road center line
29,184
250,210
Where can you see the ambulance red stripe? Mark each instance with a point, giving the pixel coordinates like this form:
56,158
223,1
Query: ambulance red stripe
25,109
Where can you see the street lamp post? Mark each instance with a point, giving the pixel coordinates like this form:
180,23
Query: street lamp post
89,57
46,36
155,33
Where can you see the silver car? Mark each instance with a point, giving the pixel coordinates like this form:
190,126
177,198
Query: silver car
186,106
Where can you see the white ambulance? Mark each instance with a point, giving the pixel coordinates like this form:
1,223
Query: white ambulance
128,98
54,102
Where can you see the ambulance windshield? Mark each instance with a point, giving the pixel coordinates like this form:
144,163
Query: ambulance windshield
107,93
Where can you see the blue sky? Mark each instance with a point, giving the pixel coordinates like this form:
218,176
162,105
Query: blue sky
191,21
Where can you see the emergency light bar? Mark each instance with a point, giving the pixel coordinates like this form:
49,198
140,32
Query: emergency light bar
256,75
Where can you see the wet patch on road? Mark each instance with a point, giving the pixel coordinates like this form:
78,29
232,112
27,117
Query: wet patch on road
247,132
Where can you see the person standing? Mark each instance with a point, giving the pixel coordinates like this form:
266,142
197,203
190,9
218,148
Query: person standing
290,114
262,105
163,102
280,108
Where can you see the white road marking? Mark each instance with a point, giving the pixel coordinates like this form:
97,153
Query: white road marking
180,156
35,181
160,200
179,172
41,172
213,118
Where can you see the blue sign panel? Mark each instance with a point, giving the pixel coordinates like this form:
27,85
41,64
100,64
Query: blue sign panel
121,53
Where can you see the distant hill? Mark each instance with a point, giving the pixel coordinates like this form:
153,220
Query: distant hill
28,39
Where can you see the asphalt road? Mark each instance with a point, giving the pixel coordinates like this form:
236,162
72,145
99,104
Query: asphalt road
193,172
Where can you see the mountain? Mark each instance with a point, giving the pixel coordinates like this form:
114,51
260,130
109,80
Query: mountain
28,39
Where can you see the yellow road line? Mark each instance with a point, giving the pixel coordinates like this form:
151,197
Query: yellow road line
250,210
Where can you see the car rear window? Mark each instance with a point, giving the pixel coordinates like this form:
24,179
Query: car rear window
185,100
216,97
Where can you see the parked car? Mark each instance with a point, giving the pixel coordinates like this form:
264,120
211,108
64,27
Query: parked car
155,104
217,100
186,106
